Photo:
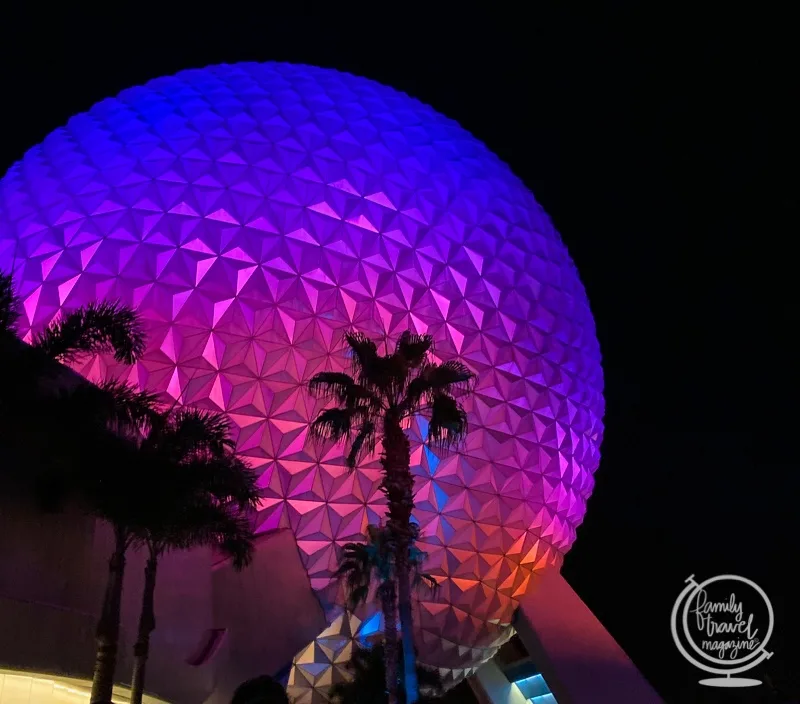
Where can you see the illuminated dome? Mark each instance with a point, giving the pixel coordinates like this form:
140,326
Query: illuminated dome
252,213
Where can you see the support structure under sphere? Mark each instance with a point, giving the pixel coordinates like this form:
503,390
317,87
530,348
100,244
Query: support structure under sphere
253,213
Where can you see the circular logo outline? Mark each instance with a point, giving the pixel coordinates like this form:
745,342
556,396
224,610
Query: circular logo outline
740,665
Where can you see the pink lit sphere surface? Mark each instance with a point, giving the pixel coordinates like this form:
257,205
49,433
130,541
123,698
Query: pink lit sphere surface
252,213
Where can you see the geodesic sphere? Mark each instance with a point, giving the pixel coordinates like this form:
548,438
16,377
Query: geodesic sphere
252,214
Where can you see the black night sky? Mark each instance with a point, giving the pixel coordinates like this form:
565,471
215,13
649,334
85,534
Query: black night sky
661,142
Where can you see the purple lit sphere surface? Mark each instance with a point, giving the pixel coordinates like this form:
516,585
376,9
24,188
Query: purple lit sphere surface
253,213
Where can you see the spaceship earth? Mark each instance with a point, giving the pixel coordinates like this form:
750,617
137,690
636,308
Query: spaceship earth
253,213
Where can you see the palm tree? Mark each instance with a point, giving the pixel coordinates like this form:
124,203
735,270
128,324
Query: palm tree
376,402
100,430
96,427
202,492
360,564
367,667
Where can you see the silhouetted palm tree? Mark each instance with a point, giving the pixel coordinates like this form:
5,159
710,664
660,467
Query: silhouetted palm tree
202,492
100,429
95,431
360,564
376,402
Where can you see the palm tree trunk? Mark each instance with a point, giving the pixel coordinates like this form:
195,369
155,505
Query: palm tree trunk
147,624
107,636
398,485
388,592
407,633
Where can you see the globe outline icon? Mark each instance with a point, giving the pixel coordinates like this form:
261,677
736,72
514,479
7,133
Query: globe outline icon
736,666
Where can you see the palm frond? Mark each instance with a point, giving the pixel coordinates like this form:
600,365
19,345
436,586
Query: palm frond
226,477
361,562
364,350
356,557
112,404
370,368
193,432
414,348
344,390
335,424
238,544
335,385
357,595
355,568
428,579
432,379
416,559
108,328
447,426
9,304
363,442
206,522
348,566
451,376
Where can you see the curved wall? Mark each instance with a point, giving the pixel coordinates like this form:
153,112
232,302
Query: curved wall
51,586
